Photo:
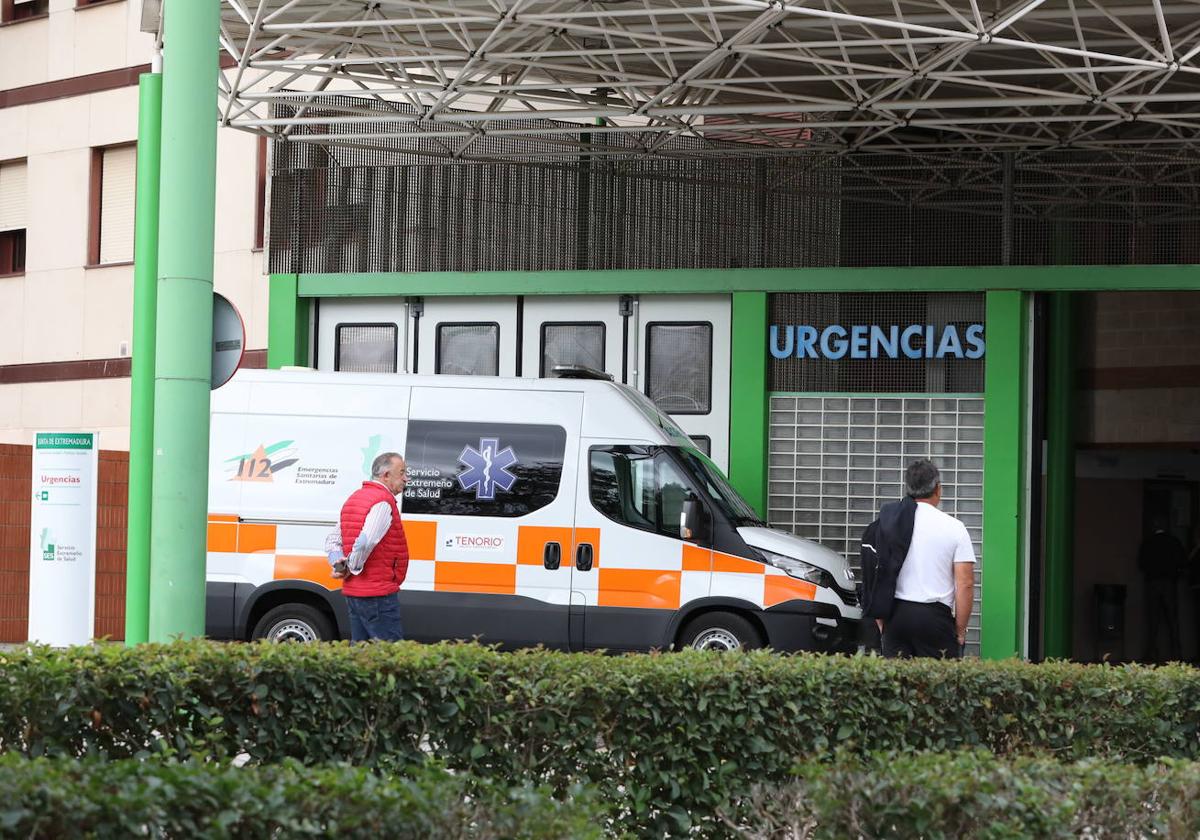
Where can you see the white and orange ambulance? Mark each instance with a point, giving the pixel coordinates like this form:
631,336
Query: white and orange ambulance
566,512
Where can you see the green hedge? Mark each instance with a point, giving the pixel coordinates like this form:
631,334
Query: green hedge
976,794
669,738
55,798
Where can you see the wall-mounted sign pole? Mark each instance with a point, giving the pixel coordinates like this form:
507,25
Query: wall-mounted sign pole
62,538
141,406
183,347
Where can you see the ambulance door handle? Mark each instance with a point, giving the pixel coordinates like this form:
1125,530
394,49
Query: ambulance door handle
583,557
552,556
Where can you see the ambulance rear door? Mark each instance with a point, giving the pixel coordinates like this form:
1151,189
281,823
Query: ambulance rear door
286,451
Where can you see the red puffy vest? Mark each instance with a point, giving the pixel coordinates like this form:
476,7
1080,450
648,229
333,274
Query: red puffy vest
387,565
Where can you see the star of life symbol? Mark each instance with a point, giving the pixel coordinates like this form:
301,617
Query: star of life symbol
487,468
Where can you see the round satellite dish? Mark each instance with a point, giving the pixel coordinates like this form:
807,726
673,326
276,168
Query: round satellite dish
229,340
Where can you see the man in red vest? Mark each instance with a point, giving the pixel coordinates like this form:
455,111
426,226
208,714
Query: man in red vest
378,559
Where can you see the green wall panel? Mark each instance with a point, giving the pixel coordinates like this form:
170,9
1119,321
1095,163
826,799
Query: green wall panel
748,399
1004,407
287,323
941,278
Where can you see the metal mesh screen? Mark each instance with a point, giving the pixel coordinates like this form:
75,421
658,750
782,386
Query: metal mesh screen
874,375
572,344
834,459
366,348
406,203
468,349
679,367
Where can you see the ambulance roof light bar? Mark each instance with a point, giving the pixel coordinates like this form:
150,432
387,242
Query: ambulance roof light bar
580,372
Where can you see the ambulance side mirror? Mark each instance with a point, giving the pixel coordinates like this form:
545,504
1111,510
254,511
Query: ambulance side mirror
693,523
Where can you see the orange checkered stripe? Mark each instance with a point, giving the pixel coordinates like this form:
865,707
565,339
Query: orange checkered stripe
615,587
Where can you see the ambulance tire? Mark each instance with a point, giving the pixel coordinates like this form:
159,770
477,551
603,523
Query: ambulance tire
294,623
721,631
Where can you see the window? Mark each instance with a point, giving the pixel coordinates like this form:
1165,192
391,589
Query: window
110,238
260,194
679,367
703,443
468,349
639,486
482,469
12,11
12,217
365,348
572,344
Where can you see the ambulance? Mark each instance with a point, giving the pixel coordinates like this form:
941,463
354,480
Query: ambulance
567,512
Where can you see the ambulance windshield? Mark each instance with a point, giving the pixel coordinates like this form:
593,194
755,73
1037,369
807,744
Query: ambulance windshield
722,494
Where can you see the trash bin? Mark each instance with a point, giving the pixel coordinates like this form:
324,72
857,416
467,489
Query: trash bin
1110,621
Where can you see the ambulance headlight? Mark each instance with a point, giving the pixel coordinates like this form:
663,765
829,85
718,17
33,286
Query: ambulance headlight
799,569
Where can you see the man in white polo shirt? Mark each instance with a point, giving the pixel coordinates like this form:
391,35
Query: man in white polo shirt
935,588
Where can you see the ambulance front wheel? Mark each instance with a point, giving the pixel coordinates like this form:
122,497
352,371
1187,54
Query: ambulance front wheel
294,623
720,631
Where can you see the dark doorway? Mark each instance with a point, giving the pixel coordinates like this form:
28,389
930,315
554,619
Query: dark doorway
1137,428
1168,526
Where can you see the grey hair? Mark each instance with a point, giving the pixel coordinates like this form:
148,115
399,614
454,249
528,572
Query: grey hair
921,479
383,463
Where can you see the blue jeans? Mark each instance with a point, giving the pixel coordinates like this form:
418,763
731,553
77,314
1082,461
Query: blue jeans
375,617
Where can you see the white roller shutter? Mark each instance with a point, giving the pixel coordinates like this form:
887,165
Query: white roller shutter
116,204
12,196
835,458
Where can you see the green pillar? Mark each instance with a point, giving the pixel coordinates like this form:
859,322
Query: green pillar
287,322
1060,478
141,404
748,399
183,349
1004,415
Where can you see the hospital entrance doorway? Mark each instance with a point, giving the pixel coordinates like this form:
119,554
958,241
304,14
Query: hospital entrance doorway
1135,555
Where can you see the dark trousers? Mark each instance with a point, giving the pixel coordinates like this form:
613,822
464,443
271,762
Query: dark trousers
1162,620
921,630
375,617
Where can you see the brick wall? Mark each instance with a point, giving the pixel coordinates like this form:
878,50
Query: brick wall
1139,360
1139,329
15,492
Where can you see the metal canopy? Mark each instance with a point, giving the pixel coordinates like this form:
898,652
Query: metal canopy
910,75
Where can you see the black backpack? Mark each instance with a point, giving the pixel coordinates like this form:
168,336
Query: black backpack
884,546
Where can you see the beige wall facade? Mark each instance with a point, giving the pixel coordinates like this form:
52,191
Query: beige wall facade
61,309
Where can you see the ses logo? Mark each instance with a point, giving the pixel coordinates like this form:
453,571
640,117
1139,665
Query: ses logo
263,462
487,469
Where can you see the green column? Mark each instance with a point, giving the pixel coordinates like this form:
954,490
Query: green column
141,404
1004,415
748,400
183,350
287,322
1060,478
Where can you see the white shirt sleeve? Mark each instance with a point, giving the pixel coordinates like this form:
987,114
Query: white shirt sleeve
333,546
964,552
378,520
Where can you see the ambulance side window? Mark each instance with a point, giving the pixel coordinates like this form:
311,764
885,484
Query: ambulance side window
482,469
637,486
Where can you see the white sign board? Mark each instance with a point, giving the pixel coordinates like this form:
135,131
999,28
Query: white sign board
62,538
